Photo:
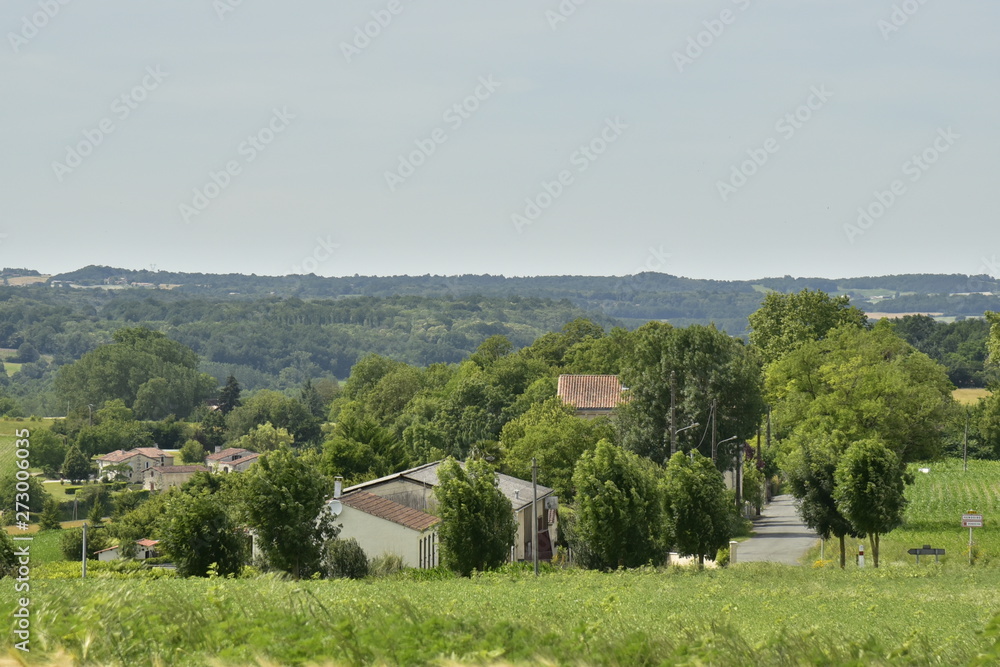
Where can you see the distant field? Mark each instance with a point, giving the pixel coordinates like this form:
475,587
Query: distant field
877,315
970,396
27,280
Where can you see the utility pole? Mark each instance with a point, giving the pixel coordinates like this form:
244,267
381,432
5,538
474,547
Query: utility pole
965,448
84,576
673,413
534,513
715,405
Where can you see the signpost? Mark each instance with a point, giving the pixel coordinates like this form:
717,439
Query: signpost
926,551
971,519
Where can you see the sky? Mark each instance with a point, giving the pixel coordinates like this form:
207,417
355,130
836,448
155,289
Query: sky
727,139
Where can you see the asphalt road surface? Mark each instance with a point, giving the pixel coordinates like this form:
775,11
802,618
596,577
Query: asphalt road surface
780,536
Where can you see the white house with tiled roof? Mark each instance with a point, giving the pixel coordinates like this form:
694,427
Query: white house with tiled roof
591,395
382,526
414,488
233,459
143,549
139,460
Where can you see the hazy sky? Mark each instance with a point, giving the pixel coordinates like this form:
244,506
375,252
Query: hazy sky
720,139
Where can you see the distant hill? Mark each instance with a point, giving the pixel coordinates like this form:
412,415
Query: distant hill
632,300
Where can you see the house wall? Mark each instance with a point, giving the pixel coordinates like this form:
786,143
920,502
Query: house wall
160,482
111,554
378,536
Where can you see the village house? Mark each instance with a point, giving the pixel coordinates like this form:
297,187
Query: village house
414,489
143,549
162,478
382,526
591,395
233,459
139,460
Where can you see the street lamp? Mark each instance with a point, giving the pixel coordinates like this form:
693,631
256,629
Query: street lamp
714,449
681,430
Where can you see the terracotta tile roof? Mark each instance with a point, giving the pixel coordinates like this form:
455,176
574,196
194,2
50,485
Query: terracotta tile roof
248,457
225,453
147,543
151,452
590,392
389,510
176,469
106,550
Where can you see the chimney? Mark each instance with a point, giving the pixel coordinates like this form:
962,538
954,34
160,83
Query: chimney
517,494
338,483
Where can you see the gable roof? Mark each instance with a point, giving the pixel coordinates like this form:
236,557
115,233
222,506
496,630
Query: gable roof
389,510
249,457
590,392
517,491
120,455
116,456
225,453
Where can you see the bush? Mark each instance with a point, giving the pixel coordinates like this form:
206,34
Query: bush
385,565
71,543
722,557
345,559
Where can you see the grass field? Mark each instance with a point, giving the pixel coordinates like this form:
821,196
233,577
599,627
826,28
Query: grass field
970,396
753,613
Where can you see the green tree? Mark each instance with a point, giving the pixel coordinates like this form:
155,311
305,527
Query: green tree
285,503
76,466
359,448
264,438
147,371
98,510
48,451
212,433
199,533
278,409
699,514
870,485
71,543
811,473
477,526
863,383
49,520
785,321
620,518
193,452
9,494
8,557
229,396
550,433
709,366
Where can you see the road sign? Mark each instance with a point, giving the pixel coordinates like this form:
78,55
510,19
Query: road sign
972,521
926,551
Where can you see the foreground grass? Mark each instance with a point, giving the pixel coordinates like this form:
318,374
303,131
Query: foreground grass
749,614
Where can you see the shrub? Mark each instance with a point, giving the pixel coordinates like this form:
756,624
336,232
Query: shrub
345,559
722,557
385,565
71,543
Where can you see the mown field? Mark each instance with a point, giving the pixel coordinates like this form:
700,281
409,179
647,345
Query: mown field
7,438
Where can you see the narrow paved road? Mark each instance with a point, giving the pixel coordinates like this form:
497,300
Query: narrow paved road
780,537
